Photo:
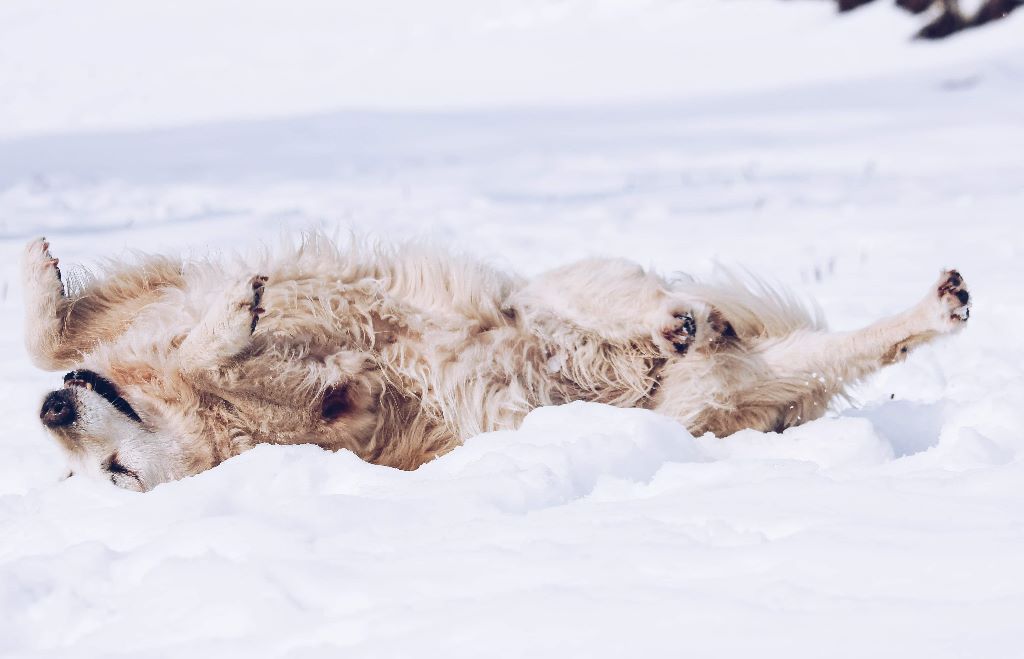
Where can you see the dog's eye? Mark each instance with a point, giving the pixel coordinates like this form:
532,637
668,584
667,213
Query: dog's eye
121,475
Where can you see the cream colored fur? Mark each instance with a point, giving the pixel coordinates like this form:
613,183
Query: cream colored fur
399,354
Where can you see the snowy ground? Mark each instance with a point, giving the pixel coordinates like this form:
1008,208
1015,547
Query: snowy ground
891,529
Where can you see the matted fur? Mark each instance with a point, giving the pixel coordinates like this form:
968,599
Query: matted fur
400,353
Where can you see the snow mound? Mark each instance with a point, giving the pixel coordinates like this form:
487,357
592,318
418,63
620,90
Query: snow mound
589,529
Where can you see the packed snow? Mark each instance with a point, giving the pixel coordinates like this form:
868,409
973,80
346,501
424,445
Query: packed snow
827,154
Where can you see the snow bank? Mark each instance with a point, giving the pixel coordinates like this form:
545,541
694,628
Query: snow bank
590,530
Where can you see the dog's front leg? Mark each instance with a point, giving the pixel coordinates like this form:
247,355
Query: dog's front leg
226,330
61,326
46,307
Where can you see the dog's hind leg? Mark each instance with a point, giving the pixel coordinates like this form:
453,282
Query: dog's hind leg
618,303
63,325
607,327
772,384
819,365
848,356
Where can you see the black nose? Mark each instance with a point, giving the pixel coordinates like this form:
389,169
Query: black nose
58,409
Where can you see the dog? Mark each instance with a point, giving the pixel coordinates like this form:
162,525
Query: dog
400,353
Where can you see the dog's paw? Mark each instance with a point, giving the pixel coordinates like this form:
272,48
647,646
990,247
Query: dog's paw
695,327
40,271
951,302
258,286
721,330
678,333
226,328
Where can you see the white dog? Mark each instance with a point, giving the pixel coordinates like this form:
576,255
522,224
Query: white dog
400,354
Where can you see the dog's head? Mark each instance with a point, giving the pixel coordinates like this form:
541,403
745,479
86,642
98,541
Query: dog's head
138,428
104,434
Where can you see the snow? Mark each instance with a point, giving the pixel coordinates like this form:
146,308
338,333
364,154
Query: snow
121,63
828,154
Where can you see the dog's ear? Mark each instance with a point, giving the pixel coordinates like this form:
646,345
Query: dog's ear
353,394
336,403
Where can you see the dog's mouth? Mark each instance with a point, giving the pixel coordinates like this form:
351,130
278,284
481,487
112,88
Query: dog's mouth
105,388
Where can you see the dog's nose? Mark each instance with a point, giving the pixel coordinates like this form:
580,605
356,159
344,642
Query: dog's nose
58,409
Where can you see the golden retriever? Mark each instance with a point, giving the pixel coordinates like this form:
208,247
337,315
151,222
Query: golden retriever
401,353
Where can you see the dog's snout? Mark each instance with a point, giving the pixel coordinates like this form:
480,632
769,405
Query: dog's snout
58,409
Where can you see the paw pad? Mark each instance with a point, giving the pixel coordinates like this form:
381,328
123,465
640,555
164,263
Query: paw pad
41,248
681,332
953,294
258,284
722,328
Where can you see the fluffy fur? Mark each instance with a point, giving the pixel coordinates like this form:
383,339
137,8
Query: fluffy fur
399,354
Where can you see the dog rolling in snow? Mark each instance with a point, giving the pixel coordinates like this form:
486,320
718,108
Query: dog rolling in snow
400,354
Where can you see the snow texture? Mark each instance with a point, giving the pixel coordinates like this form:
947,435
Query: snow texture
826,153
